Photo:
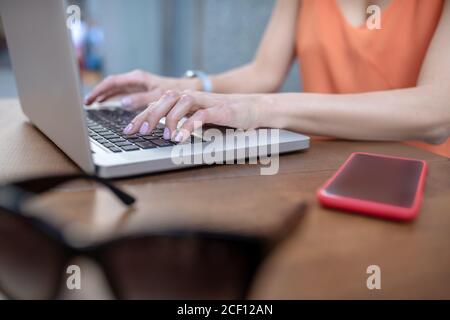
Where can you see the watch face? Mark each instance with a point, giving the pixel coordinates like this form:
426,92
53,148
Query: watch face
190,74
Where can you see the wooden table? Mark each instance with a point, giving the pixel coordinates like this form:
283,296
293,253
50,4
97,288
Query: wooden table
330,251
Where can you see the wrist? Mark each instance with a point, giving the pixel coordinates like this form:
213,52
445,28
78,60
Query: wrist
181,84
203,78
193,84
267,112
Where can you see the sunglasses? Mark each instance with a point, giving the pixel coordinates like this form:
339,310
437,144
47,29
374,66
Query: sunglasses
169,264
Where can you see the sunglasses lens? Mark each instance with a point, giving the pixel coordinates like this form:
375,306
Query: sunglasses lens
30,262
181,268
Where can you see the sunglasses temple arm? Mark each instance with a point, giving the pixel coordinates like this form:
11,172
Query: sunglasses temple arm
123,196
41,185
288,227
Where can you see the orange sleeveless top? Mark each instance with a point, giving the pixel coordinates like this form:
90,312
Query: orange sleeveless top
336,57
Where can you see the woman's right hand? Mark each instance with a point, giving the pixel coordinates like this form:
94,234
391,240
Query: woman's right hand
137,88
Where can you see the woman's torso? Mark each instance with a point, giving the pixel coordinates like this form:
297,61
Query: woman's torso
339,53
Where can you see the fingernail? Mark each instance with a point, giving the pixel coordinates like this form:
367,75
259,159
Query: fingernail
128,129
126,102
144,128
179,137
86,98
166,134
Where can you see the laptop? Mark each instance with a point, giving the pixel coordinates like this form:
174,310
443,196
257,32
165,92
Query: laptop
48,84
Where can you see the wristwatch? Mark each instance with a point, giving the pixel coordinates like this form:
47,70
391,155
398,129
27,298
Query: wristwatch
203,77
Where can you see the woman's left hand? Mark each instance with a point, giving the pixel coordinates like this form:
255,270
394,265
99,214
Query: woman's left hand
237,111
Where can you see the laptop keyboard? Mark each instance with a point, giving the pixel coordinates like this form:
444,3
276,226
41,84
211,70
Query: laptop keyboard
106,127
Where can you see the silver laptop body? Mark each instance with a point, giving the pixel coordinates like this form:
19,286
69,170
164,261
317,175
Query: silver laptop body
48,84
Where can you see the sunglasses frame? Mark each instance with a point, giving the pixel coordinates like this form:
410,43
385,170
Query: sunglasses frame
12,197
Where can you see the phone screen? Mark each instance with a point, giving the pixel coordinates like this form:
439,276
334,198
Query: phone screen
377,179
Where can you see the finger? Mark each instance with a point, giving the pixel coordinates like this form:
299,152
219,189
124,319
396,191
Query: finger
145,125
196,121
114,85
100,91
131,127
183,107
204,98
117,92
159,111
105,96
139,100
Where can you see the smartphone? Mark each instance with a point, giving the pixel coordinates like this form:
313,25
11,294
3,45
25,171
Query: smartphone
377,185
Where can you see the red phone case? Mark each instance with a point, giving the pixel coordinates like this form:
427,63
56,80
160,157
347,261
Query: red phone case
377,209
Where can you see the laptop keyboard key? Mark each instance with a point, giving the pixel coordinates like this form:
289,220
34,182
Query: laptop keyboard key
130,148
124,144
99,129
115,149
150,137
111,136
132,138
162,143
108,145
146,145
105,133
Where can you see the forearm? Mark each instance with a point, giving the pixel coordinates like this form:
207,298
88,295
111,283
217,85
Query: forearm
420,113
246,79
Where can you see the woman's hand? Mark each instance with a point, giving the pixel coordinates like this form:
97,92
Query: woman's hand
237,111
139,88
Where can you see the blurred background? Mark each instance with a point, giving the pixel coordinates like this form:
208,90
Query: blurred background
165,37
